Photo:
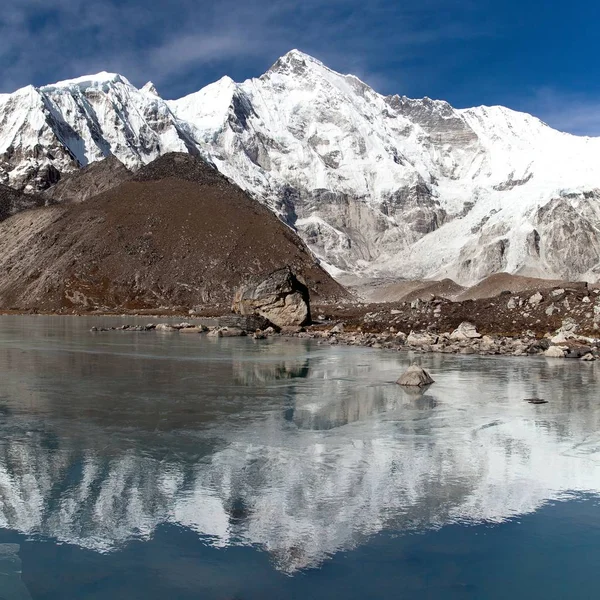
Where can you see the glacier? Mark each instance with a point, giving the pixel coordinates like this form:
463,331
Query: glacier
375,185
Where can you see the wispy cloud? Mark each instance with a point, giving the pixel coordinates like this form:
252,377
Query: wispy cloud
166,40
395,46
565,111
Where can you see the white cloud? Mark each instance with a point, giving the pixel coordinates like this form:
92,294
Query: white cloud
570,112
45,40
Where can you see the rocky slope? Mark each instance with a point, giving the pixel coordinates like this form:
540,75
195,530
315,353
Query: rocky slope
89,181
13,201
178,234
376,185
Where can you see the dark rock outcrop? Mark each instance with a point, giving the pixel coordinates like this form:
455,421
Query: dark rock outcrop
13,201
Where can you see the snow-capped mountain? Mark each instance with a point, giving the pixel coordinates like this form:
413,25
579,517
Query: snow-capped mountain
374,184
58,128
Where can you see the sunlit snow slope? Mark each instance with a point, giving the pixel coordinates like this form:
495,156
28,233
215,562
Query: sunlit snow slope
374,184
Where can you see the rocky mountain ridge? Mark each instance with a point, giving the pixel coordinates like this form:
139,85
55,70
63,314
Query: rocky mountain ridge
375,185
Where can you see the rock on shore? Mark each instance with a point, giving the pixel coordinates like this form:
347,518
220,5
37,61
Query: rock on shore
281,297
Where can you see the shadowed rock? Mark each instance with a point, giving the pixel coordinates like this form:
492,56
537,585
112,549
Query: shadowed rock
13,201
415,376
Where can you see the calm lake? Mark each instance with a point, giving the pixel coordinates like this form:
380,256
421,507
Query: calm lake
165,465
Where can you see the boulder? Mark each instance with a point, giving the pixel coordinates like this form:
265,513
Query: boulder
248,323
232,332
578,351
535,299
555,352
415,376
465,331
281,298
421,339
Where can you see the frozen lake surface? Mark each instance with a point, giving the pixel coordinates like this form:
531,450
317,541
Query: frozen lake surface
163,465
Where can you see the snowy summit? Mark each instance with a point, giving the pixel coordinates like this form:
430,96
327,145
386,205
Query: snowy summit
374,184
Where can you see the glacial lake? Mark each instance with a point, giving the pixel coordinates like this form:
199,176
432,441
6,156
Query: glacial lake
164,465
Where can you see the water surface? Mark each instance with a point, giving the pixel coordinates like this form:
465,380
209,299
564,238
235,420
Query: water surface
153,465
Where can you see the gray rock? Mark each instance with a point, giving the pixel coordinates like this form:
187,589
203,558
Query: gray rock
577,351
565,332
232,332
248,323
415,376
555,352
465,331
535,299
421,339
280,297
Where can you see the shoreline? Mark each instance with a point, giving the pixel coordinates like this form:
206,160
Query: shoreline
465,340
556,323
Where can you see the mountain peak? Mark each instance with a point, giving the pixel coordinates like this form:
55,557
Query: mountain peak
99,80
295,61
150,88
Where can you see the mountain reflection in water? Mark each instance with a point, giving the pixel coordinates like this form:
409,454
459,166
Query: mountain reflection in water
301,450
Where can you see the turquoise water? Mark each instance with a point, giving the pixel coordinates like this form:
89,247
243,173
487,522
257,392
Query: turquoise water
158,465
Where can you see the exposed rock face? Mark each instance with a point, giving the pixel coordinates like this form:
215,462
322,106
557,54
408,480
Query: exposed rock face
12,201
186,240
56,129
415,376
281,298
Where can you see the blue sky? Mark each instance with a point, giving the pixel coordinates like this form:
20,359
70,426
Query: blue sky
533,55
